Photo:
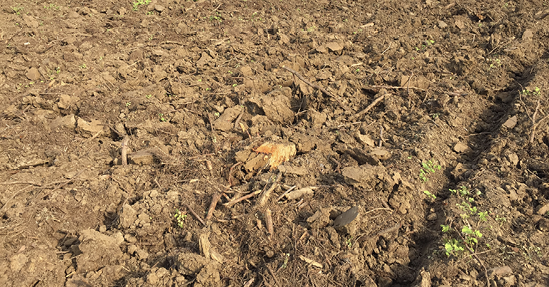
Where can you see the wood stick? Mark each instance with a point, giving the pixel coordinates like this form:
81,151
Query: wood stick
269,223
265,196
394,88
534,124
235,201
308,83
286,192
216,197
195,215
124,152
361,113
273,274
230,177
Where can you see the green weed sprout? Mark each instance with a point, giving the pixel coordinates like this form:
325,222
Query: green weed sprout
469,236
429,194
180,218
140,2
429,166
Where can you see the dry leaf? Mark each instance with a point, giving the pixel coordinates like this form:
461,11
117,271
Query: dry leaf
280,152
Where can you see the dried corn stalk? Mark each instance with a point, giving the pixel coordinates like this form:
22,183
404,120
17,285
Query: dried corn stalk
280,152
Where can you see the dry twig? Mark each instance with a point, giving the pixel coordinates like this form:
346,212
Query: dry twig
273,274
361,113
269,223
215,199
286,192
308,83
534,124
235,201
265,196
195,215
124,152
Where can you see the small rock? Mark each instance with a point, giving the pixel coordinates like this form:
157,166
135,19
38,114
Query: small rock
65,101
97,250
381,154
30,21
513,158
500,271
152,278
66,122
346,217
334,47
130,238
543,224
209,275
459,24
141,157
246,71
132,248
33,74
544,209
365,139
300,192
511,122
510,280
365,176
506,97
316,118
224,122
432,217
73,14
127,216
243,155
159,8
527,35
460,147
190,263
89,129
204,244
283,39
142,254
18,261
297,170
442,24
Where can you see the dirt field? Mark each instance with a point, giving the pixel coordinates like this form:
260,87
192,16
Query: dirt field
430,117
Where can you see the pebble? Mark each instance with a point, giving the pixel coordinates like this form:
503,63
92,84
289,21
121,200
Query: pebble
346,217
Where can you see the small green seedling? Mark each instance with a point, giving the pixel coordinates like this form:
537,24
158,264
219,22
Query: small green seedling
429,166
128,104
349,242
180,218
148,96
286,259
17,10
445,228
453,246
429,194
140,2
162,118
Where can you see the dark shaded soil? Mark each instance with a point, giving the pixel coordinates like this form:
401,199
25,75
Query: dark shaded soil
433,123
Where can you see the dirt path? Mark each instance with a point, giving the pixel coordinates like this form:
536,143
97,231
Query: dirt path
429,117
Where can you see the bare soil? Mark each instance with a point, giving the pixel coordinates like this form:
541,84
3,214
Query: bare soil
429,117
